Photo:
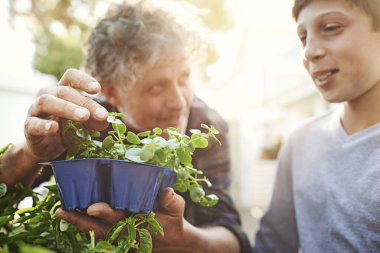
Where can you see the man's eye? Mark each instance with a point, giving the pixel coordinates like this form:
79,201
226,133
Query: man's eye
156,88
184,80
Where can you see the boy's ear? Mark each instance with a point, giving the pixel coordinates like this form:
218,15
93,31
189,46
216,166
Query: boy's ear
110,91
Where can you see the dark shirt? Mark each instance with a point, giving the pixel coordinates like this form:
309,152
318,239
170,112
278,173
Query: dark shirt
214,161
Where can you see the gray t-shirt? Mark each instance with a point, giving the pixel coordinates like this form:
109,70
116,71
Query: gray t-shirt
327,192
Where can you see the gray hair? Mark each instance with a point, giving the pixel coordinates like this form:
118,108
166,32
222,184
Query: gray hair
134,36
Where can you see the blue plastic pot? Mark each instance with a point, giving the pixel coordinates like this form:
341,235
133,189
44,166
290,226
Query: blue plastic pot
80,182
134,186
123,185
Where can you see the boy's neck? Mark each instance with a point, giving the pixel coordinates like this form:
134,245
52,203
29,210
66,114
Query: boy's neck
363,112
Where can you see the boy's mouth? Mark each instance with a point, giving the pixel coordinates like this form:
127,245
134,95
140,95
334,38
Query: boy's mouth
321,76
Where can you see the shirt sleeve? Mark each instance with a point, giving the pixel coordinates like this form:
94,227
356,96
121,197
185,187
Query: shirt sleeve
278,228
214,161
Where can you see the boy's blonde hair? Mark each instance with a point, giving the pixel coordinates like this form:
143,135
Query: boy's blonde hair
371,7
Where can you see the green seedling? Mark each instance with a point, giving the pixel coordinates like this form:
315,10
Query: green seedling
37,229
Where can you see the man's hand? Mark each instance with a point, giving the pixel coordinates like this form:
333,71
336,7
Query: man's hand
44,122
180,236
101,217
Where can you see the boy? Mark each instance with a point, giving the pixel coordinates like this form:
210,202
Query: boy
326,197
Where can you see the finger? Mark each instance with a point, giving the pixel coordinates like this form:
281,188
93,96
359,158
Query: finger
40,127
50,105
84,223
104,211
80,80
68,94
171,203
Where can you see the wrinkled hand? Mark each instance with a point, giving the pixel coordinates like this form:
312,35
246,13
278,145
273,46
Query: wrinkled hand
44,122
170,215
100,218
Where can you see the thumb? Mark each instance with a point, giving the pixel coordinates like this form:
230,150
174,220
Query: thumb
171,203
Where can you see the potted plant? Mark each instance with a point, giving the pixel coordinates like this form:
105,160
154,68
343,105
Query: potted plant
113,170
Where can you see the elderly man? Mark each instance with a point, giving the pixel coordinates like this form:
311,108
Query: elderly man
139,59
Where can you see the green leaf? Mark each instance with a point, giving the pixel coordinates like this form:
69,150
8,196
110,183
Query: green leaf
108,143
144,134
157,131
196,194
63,225
182,174
133,154
183,156
120,128
161,142
95,134
4,220
27,210
117,114
24,248
105,247
40,217
173,144
117,230
209,200
145,241
3,189
147,153
195,131
133,138
154,225
4,149
179,186
131,229
173,131
82,134
114,120
199,141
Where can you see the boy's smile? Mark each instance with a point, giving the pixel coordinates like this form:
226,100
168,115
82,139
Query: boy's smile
324,76
339,44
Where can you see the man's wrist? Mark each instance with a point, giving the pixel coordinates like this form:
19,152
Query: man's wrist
20,165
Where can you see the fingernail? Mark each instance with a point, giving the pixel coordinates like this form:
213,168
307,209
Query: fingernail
101,113
93,212
48,126
60,213
80,112
93,85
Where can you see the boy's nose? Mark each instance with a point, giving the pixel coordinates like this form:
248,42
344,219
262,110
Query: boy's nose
313,51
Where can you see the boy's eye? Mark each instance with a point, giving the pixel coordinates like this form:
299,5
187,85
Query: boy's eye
332,28
302,38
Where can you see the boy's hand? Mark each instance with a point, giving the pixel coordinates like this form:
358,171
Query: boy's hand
44,123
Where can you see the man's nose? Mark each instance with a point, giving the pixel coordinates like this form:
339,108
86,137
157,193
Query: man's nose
176,97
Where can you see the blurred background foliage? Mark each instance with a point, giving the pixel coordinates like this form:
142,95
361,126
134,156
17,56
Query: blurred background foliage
61,28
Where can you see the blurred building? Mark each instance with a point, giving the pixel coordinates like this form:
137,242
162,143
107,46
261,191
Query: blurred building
19,83
262,89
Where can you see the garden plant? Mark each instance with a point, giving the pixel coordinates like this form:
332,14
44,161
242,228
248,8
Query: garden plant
37,229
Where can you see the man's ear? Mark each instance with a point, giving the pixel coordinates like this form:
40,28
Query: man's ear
110,91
